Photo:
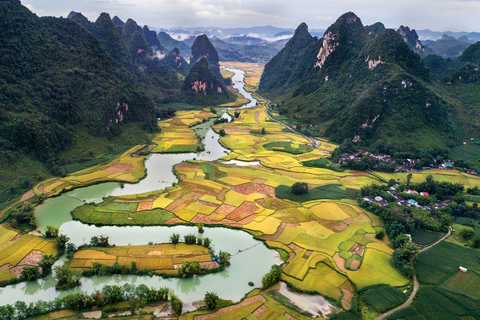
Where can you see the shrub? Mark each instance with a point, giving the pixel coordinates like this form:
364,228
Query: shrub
211,299
174,238
190,239
272,277
300,188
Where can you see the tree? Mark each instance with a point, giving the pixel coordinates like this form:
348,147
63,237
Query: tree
113,294
98,298
468,234
133,303
409,177
224,258
391,182
263,131
174,238
211,299
300,188
94,241
190,239
380,235
62,241
177,304
103,241
222,133
200,227
206,242
272,277
51,231
66,277
46,263
30,273
189,268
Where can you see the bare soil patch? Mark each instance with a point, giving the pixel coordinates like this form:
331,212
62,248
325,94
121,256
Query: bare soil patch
290,317
340,226
294,247
257,114
307,254
18,236
348,292
155,253
260,310
247,219
118,168
355,264
245,209
340,262
248,188
357,249
27,195
145,205
32,258
225,209
209,264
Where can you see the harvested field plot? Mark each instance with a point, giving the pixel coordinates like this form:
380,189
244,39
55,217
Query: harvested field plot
128,167
17,252
176,135
155,257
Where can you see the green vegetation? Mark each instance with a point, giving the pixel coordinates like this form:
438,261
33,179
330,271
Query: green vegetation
272,277
346,98
211,300
438,303
424,238
66,277
440,262
329,191
285,146
384,298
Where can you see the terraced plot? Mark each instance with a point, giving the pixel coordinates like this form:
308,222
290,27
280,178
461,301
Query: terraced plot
333,233
129,168
165,258
19,251
176,135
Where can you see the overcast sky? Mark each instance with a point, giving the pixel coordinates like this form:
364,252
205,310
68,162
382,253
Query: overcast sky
437,15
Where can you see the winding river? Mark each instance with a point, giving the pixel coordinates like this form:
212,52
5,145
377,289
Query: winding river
232,283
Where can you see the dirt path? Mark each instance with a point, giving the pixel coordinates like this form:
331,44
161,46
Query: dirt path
415,282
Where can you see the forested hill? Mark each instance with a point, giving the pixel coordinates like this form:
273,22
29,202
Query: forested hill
58,86
367,85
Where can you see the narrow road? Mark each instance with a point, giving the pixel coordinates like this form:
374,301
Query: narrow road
415,282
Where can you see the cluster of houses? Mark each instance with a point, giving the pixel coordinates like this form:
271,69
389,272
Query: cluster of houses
357,156
408,165
408,203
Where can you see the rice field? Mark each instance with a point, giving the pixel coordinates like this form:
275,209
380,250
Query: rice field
128,167
246,197
176,133
18,251
154,257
